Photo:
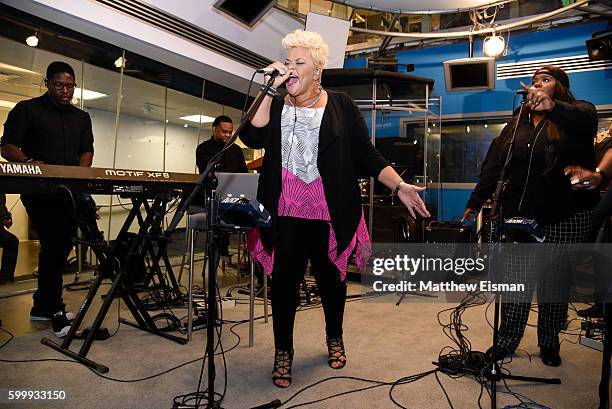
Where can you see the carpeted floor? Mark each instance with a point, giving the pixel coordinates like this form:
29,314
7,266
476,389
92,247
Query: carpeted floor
384,343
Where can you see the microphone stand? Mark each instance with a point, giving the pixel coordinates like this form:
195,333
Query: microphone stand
208,182
494,373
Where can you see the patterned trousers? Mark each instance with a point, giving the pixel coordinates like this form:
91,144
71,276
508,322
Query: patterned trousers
552,285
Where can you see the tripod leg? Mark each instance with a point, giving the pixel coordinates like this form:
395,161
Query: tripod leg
551,381
604,383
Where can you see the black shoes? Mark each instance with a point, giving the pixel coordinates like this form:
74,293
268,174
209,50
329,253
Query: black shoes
550,356
60,324
336,354
40,314
281,374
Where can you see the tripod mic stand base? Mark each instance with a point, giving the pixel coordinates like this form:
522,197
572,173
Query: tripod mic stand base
498,376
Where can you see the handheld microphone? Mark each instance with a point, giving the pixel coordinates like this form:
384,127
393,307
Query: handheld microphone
522,92
268,71
270,405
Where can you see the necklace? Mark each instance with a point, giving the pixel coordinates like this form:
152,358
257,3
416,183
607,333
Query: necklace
317,98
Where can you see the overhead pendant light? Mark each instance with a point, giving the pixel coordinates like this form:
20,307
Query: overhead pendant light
493,46
120,62
32,40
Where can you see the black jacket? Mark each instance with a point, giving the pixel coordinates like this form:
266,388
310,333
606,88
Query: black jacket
345,153
547,196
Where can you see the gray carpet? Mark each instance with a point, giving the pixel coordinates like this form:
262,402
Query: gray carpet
384,342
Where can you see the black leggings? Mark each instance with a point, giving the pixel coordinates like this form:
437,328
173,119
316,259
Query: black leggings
299,240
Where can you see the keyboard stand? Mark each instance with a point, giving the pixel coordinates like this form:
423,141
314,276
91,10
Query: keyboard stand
110,268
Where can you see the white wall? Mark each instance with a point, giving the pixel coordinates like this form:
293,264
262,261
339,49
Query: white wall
139,146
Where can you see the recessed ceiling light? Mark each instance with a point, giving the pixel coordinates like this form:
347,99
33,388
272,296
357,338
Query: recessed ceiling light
7,104
13,68
120,62
32,40
198,118
88,94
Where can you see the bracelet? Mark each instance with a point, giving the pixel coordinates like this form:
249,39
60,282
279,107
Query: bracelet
271,91
397,188
604,177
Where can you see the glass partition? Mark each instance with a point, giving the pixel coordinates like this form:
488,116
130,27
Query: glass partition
186,123
138,121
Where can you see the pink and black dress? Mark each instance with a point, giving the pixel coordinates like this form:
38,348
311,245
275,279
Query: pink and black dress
302,194
309,184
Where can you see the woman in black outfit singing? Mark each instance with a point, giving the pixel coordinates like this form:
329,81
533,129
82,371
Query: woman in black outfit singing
316,145
555,131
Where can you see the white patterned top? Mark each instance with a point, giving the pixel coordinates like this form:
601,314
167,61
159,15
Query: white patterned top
300,141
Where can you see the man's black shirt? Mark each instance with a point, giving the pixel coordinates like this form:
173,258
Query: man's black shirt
232,160
48,132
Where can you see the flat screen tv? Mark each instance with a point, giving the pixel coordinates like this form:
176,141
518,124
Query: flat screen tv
466,74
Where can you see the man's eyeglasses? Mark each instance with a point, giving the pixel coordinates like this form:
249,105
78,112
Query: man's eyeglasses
59,86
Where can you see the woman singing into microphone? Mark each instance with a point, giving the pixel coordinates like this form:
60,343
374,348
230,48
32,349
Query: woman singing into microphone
316,146
555,131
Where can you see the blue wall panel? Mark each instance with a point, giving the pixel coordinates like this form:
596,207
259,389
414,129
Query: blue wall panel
594,86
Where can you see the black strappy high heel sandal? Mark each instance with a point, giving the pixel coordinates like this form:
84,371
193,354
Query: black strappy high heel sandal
282,367
337,355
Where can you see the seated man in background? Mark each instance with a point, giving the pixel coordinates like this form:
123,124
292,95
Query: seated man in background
8,243
48,129
232,160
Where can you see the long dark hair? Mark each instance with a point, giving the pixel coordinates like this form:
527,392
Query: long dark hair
553,131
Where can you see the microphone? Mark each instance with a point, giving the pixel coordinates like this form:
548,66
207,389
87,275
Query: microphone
268,71
522,92
270,405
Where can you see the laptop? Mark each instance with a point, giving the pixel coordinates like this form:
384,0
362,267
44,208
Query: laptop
238,204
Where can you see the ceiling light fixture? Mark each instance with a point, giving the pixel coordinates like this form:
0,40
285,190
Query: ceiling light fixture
493,46
32,40
120,62
7,104
88,94
198,118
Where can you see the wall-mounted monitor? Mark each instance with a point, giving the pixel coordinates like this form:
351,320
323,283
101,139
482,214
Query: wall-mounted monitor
247,12
466,74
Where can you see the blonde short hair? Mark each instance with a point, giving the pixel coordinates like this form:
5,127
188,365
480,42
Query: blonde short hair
312,41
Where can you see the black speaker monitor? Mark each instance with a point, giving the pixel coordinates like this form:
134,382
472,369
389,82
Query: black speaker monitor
247,12
600,46
469,74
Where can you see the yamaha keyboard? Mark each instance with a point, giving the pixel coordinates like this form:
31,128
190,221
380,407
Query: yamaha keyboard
43,178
